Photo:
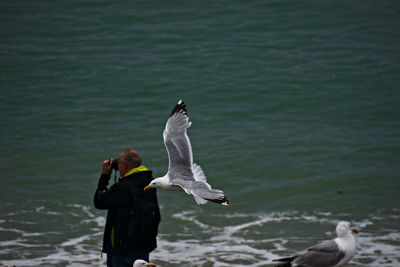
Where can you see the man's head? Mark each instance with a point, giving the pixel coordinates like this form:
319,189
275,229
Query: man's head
128,160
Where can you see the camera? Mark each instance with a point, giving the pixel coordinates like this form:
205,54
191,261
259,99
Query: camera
114,164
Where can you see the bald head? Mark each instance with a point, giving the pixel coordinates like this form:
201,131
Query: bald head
131,158
128,160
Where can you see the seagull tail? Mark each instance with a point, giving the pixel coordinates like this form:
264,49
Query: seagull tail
213,195
285,262
223,201
206,193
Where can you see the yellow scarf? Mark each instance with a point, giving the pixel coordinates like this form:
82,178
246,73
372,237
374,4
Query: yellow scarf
141,168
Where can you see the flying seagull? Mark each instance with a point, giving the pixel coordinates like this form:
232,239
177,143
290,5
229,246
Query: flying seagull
142,263
183,174
330,253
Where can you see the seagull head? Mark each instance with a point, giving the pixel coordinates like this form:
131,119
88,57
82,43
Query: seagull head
142,263
344,229
157,183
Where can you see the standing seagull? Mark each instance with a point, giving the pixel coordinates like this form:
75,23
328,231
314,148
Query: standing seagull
331,253
183,174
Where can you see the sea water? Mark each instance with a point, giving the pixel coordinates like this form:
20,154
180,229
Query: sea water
295,111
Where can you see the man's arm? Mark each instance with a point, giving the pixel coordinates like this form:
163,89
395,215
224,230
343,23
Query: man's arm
105,198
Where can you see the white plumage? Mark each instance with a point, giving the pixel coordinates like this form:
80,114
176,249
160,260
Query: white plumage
142,263
183,174
332,253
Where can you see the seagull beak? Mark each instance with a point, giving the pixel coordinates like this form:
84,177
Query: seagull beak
147,187
354,230
150,264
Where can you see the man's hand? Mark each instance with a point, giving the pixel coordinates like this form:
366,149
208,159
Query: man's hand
106,168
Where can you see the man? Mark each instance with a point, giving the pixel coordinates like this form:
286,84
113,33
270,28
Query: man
133,214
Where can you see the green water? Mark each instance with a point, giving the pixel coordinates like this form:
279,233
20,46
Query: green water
295,111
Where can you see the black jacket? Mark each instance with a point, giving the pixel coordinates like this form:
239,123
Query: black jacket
119,200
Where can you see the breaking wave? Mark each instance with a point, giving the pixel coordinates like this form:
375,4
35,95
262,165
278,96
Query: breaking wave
190,238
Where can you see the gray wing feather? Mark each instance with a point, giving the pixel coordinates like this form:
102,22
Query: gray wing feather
179,152
182,171
178,146
325,246
324,254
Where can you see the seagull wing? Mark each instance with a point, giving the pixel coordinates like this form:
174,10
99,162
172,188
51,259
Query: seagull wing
178,144
182,171
326,253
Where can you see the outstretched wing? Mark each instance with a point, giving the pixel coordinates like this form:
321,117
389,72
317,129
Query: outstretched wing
182,171
178,144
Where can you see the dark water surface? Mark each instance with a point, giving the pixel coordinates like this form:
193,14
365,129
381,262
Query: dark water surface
295,111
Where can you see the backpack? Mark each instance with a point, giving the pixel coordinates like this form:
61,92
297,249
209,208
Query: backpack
144,217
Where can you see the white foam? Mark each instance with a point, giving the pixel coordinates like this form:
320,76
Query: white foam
190,217
20,242
39,209
100,221
241,239
22,222
75,241
226,245
91,258
84,209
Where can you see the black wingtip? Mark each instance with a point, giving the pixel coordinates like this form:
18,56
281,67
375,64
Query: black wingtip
223,201
178,107
283,264
284,261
